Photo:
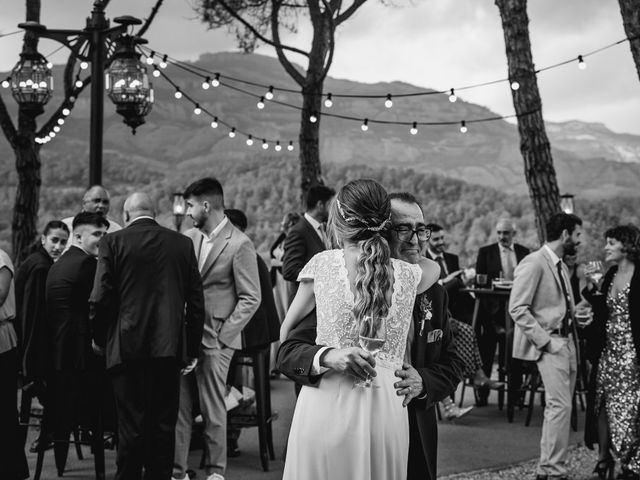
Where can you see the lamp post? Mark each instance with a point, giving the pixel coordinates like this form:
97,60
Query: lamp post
179,209
101,44
566,203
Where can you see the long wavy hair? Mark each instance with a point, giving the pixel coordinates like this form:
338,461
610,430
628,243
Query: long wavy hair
361,213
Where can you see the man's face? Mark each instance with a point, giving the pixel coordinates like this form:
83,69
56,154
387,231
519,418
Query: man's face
408,214
96,201
198,209
436,242
323,209
88,238
505,233
572,241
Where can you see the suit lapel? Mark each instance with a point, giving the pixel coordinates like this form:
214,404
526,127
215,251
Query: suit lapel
219,244
312,233
552,267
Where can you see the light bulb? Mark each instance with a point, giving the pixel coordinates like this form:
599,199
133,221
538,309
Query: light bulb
52,134
66,112
216,81
290,146
61,121
56,129
156,72
47,138
278,147
581,63
249,141
79,84
84,65
414,128
452,96
313,118
232,133
163,63
38,140
214,124
5,84
29,82
178,94
206,84
265,145
388,102
42,84
260,103
197,110
150,59
463,127
328,102
515,85
269,94
365,125
49,65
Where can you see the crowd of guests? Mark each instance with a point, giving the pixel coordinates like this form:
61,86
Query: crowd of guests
100,321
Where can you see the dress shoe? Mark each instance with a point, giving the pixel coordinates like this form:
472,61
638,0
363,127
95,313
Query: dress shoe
215,476
488,383
186,477
41,443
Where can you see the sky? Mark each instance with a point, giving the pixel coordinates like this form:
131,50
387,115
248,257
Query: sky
435,44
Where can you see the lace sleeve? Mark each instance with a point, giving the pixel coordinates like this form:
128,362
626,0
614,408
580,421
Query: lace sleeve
309,270
417,272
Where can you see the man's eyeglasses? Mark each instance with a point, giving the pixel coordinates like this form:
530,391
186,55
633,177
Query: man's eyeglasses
405,232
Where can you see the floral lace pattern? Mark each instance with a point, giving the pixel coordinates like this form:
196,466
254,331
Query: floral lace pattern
334,303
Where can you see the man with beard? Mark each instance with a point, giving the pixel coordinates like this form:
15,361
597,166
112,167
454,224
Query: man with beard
434,369
542,307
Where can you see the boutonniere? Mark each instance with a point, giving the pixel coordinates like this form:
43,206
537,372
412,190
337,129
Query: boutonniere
427,314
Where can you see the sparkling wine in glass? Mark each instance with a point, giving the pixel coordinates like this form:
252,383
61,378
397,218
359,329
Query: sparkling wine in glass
595,271
372,334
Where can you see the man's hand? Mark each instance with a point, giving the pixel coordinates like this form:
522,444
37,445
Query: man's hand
97,349
353,361
190,366
451,276
410,386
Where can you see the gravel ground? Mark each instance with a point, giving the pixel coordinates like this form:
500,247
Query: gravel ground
580,467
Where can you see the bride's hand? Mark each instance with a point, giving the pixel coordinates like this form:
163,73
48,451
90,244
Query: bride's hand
353,361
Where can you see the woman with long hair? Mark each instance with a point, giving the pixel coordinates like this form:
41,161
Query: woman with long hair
613,347
340,430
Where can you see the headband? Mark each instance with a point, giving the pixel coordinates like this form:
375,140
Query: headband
382,226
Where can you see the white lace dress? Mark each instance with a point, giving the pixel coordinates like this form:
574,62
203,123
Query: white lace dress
338,431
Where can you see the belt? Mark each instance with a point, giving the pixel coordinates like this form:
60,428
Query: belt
558,331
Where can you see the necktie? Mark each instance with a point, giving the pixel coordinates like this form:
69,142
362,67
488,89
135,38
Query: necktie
567,299
323,235
443,266
508,264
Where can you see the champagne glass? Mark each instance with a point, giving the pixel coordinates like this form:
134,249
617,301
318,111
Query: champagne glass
595,271
372,334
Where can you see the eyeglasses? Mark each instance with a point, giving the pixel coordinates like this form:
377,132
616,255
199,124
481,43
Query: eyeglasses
405,232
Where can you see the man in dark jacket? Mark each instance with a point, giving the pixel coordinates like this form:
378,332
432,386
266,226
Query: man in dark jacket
435,368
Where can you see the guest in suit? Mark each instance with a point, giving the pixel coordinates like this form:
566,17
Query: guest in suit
276,252
434,369
96,199
308,236
231,283
73,364
13,462
147,311
542,307
261,331
496,260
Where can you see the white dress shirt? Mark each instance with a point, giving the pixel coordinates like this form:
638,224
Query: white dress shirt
318,227
207,242
507,254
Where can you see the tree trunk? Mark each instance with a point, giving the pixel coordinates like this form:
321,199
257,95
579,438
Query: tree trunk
27,201
310,171
630,11
534,144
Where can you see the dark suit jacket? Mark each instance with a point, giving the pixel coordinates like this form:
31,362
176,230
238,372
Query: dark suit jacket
436,361
68,288
460,303
31,313
264,326
147,301
300,245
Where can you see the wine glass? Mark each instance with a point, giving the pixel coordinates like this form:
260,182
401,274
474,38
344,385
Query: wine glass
372,334
595,271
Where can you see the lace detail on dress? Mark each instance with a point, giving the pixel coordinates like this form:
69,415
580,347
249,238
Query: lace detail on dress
334,303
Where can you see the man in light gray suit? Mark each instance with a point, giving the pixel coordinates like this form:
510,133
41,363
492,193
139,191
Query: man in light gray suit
230,280
542,307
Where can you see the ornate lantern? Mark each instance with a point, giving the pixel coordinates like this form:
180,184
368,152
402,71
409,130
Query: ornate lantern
566,203
179,209
128,84
31,80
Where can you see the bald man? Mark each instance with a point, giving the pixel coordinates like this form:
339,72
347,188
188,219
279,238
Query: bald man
96,199
147,313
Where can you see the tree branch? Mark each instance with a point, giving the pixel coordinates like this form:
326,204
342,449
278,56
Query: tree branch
53,119
332,41
258,35
147,23
349,11
7,125
284,61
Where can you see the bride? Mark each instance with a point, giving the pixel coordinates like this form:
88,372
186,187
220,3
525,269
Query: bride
340,431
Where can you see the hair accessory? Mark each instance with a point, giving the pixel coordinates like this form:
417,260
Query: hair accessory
347,219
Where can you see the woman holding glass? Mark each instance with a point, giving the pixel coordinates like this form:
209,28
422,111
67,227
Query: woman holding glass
613,346
365,298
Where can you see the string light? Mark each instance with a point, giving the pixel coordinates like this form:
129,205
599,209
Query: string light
61,121
163,63
56,129
269,94
365,125
5,84
216,81
52,134
452,96
49,65
313,118
205,84
232,132
581,63
328,102
178,93
278,147
388,102
414,128
84,65
150,57
156,72
265,145
214,124
66,112
79,83
463,126
250,140
47,138
260,103
515,85
290,146
197,110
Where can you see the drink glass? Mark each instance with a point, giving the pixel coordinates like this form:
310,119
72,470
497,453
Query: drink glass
372,334
584,316
595,271
481,280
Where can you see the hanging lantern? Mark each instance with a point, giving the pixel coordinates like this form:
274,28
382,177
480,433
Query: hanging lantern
566,203
128,84
31,80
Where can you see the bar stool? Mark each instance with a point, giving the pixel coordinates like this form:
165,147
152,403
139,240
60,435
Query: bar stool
258,359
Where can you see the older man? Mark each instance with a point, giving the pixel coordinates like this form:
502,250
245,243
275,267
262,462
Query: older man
96,199
435,367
